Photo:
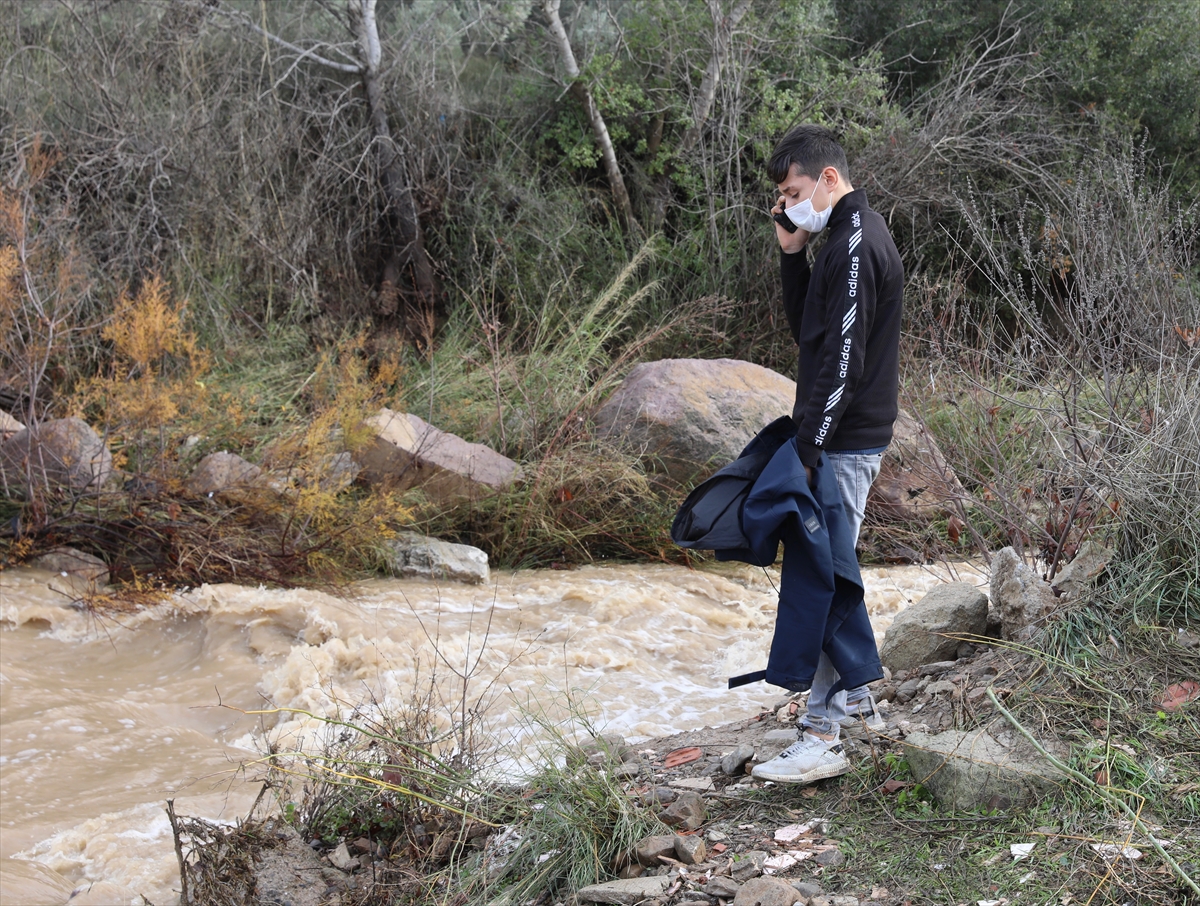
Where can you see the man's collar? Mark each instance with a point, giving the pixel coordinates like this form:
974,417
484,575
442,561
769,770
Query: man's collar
848,203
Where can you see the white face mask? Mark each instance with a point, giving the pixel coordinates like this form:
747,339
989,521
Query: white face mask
805,217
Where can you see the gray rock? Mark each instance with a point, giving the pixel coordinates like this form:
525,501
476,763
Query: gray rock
687,415
632,870
915,485
807,889
907,690
1018,594
408,452
766,892
941,687
626,892
340,858
914,636
830,857
935,668
687,812
61,453
725,888
689,849
290,872
1074,579
648,849
9,425
734,762
627,770
225,474
749,865
76,565
334,472
843,901
611,745
779,737
969,769
410,555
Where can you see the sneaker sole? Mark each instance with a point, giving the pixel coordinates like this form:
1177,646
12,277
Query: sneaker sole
821,773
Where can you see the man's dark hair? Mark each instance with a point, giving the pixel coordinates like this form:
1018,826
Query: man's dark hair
810,149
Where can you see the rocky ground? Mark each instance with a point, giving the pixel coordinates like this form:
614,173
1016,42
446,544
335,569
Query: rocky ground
736,840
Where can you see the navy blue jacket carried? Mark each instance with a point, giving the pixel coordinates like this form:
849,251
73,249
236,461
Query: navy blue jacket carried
763,498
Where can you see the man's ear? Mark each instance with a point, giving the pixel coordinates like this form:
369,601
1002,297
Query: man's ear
831,176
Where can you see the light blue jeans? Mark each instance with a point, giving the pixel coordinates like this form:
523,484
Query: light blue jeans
855,470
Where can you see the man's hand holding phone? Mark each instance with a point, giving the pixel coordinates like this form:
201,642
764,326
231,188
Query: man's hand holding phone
793,240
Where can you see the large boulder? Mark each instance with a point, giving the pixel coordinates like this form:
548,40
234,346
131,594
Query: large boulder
63,452
430,558
690,415
918,634
408,452
915,484
225,474
972,769
1019,594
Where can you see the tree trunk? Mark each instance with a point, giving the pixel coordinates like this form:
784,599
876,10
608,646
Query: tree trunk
723,27
407,249
583,93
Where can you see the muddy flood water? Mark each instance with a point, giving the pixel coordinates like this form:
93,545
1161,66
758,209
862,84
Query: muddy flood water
104,719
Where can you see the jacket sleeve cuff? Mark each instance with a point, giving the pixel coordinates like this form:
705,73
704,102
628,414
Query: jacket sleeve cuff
810,455
794,265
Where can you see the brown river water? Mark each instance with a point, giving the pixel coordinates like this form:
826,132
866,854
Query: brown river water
103,719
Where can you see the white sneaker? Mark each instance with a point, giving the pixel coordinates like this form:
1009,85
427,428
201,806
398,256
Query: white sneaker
863,718
808,759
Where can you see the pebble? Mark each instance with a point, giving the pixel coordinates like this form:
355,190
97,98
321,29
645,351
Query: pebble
749,865
689,850
687,812
699,784
908,690
936,667
843,901
941,687
627,771
341,858
733,763
725,888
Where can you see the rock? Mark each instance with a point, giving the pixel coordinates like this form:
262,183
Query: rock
936,668
63,452
969,769
410,554
9,425
749,865
941,687
830,857
407,452
76,564
766,892
290,872
632,870
648,849
913,638
1019,594
843,901
627,770
734,762
725,888
698,784
690,849
1076,577
915,484
341,859
687,812
611,745
807,890
907,690
627,892
225,474
688,416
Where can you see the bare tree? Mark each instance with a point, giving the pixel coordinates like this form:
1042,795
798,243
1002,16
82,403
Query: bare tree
583,93
723,27
406,250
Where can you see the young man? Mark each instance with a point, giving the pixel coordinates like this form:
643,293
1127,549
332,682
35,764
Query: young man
844,313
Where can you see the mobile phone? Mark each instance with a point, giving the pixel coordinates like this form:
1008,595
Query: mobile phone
784,221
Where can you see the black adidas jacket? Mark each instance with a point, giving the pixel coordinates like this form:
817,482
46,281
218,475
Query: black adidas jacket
844,314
